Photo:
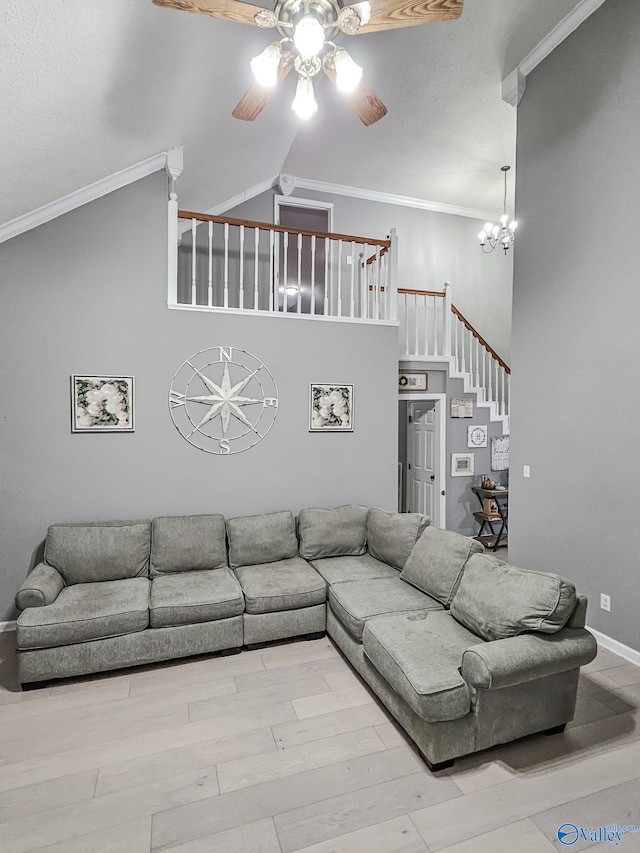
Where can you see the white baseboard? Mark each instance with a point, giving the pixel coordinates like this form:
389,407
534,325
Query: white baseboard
611,645
7,626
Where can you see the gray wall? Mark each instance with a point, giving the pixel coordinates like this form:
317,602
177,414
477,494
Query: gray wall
461,503
86,293
576,347
433,248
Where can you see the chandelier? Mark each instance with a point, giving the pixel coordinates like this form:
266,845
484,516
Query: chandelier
307,29
502,235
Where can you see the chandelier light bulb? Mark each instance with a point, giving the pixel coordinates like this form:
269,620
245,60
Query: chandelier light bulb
304,104
482,236
308,36
265,66
348,72
513,225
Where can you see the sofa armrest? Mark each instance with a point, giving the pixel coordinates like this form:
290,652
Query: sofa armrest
516,660
39,588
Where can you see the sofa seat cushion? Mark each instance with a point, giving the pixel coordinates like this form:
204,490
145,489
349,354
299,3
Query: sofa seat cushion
339,532
86,611
496,600
354,602
266,538
341,569
282,585
99,551
189,597
437,562
420,655
187,543
392,535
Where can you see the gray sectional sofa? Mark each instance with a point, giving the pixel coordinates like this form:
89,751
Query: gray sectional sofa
463,649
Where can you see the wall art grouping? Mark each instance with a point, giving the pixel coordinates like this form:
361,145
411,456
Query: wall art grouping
101,403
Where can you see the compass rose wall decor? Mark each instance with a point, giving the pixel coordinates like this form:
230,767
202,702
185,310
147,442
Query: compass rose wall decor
223,400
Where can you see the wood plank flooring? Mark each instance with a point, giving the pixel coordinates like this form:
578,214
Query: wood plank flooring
284,750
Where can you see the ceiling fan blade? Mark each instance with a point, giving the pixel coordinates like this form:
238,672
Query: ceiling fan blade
230,10
392,14
256,98
363,100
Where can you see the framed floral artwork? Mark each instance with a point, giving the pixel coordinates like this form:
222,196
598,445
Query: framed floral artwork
101,403
331,408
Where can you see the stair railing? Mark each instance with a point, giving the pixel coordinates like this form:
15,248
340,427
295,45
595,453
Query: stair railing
432,327
242,265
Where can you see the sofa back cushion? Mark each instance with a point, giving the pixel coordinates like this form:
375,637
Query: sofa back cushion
392,535
496,600
188,543
101,551
340,532
437,562
255,539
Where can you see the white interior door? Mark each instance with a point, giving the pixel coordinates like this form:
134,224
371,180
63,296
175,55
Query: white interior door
423,474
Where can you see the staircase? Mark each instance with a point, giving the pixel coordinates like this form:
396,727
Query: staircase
432,329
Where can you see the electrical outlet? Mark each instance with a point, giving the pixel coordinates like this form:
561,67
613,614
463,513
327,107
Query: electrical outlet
605,602
526,471
349,260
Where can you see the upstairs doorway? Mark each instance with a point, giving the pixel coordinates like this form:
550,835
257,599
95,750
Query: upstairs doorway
301,267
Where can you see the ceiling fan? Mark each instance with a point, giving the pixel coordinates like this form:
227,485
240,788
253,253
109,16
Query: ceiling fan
307,29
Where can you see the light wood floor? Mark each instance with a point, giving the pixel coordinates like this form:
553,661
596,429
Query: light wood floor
283,749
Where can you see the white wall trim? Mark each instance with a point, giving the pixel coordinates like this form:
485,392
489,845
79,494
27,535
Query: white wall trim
513,85
165,160
391,198
7,626
611,645
352,192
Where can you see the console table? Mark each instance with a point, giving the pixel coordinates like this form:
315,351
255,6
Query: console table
500,498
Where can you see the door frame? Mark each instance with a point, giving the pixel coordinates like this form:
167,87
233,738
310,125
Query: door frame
293,201
441,427
304,204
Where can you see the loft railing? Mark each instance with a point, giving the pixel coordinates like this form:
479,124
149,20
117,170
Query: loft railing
241,265
431,326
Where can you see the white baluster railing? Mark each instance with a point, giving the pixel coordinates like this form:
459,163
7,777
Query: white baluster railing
302,272
431,327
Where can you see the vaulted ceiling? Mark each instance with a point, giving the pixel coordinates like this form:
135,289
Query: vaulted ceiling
89,87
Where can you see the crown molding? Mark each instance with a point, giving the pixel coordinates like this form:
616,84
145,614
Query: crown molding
514,84
351,192
170,160
392,198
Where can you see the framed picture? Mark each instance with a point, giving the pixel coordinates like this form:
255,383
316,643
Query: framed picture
462,464
101,403
462,407
409,380
331,408
477,435
500,453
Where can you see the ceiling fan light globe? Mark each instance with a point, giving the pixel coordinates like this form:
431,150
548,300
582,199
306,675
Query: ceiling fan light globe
348,72
308,36
304,104
265,66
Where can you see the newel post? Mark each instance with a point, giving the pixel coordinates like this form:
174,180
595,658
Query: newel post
393,275
447,318
173,169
